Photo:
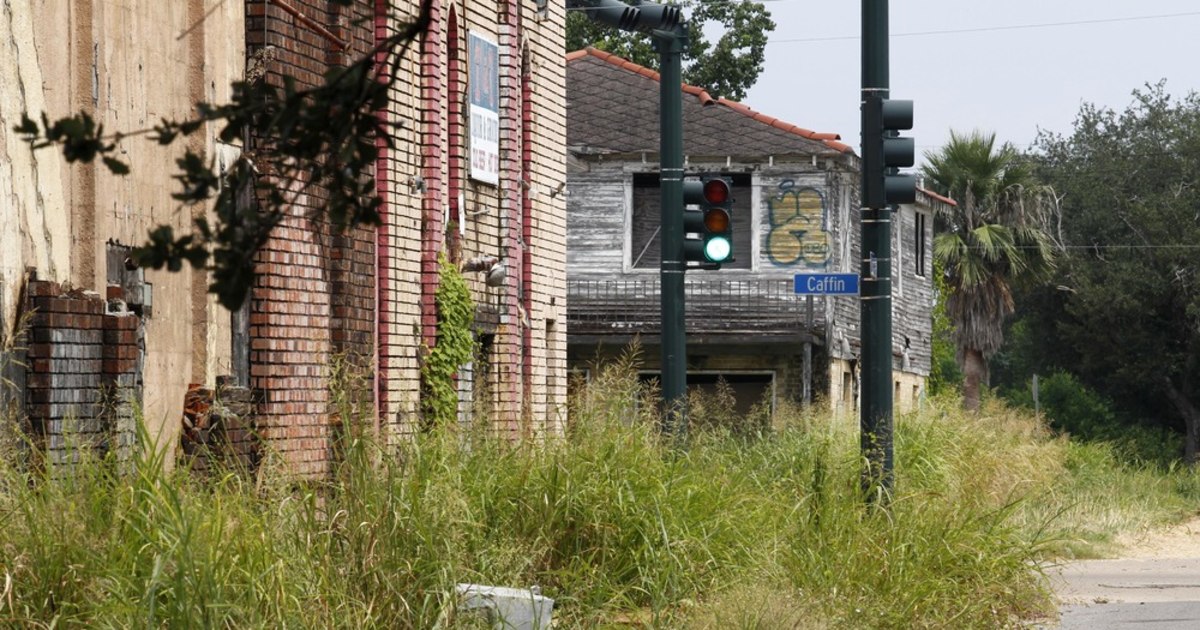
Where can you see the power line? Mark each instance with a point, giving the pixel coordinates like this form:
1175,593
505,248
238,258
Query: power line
1097,246
1101,246
987,29
700,2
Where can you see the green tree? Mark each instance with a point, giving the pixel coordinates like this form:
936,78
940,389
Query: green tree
944,375
727,67
1130,283
993,237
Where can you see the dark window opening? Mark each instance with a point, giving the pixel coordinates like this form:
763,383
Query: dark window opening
127,281
481,378
919,246
646,237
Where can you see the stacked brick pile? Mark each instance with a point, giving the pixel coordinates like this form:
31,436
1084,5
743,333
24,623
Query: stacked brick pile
218,429
82,374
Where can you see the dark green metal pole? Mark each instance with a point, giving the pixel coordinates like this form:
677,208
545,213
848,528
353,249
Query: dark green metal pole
674,342
876,409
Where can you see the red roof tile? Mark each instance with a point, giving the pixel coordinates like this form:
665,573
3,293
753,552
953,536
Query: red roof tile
941,198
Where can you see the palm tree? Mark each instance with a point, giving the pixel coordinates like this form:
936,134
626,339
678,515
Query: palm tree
994,236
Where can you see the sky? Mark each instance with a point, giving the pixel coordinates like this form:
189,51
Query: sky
1011,81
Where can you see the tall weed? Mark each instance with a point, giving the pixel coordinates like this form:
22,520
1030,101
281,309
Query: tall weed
730,530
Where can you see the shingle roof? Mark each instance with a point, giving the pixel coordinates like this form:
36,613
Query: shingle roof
612,107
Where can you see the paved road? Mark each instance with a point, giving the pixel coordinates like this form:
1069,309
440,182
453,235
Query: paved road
1150,594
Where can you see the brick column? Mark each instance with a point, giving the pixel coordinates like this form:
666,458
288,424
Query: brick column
433,148
314,297
511,350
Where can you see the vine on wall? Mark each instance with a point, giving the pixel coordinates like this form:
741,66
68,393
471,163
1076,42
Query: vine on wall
454,348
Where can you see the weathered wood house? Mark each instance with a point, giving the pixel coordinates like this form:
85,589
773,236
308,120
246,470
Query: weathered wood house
795,211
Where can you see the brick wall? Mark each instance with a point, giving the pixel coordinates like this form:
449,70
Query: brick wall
372,293
542,34
314,299
402,297
521,220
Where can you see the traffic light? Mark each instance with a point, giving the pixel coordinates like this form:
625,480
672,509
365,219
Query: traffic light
884,151
640,16
611,12
711,223
656,17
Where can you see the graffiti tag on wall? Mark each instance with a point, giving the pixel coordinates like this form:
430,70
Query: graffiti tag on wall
798,230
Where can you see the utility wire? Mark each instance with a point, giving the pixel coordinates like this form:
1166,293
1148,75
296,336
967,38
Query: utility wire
699,2
986,29
1092,247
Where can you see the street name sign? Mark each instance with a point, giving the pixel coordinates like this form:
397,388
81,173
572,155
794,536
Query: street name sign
826,284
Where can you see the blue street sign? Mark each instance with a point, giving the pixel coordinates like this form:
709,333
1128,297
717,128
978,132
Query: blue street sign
827,284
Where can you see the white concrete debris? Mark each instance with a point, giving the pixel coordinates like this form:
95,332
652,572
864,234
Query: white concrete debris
507,608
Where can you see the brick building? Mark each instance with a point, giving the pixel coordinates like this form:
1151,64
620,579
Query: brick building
475,171
444,194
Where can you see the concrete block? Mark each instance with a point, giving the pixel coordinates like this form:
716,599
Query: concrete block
507,608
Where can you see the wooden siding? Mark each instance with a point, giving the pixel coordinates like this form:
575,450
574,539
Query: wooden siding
596,207
912,296
805,220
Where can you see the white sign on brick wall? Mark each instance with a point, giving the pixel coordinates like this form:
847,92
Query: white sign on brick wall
484,86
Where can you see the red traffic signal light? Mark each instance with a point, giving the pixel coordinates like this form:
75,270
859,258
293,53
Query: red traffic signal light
716,191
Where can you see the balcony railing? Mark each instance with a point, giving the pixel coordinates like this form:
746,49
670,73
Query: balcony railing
632,306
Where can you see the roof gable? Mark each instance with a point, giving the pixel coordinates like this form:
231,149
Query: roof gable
613,104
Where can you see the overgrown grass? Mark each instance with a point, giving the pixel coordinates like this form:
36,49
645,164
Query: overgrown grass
736,530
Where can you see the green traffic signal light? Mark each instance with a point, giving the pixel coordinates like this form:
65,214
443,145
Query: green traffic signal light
718,249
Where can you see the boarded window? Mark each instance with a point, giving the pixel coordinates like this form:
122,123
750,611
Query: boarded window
481,380
646,237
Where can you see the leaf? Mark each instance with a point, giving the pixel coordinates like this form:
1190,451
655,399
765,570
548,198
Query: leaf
28,127
115,166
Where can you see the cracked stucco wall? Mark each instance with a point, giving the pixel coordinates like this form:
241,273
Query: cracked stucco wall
34,221
130,64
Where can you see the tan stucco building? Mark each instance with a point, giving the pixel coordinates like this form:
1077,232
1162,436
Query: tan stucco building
476,179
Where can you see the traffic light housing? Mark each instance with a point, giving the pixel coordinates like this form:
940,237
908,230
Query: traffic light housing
656,17
637,16
708,227
612,12
884,152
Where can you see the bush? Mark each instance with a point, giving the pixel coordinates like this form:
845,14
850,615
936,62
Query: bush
1074,409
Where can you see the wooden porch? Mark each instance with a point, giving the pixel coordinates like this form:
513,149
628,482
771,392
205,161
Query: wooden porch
733,310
